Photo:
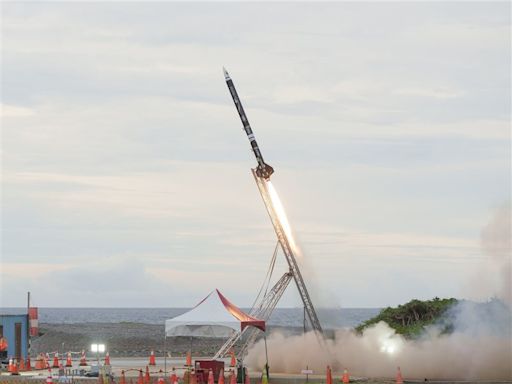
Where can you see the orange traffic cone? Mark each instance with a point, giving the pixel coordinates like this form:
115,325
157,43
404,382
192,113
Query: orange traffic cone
211,380
193,378
83,360
345,378
69,362
399,378
49,379
233,358
328,375
232,378
15,368
147,377
189,359
161,380
152,358
22,364
10,366
122,379
55,360
173,378
140,380
221,376
27,366
107,358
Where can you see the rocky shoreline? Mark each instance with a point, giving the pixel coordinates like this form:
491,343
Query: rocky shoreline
125,339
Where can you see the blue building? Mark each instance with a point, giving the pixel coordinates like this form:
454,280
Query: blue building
15,328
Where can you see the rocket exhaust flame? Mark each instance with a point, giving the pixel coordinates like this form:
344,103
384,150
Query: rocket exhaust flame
283,231
281,214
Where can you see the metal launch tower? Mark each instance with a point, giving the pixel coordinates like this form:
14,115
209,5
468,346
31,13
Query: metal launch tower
265,304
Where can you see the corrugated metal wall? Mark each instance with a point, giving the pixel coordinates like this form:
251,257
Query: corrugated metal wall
8,324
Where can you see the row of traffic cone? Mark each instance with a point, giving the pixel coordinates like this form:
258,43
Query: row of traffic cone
69,361
42,362
15,366
189,377
345,378
146,378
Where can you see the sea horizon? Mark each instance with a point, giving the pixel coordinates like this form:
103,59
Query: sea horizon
281,316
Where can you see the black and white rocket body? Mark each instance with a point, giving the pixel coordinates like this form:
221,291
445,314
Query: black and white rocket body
262,170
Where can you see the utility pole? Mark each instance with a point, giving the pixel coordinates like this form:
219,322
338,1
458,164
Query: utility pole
28,325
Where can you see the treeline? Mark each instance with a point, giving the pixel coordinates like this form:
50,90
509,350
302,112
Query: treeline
411,319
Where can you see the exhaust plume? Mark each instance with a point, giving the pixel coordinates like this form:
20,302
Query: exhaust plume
379,350
479,345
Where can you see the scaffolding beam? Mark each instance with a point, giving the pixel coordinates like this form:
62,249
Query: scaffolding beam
288,253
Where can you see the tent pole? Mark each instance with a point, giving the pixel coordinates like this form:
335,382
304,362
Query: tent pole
242,360
266,356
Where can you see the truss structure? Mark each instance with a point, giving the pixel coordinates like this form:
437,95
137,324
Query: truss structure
264,307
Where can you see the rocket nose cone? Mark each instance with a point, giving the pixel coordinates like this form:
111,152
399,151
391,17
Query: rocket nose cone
226,74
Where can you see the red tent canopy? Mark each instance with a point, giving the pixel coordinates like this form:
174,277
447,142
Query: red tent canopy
244,318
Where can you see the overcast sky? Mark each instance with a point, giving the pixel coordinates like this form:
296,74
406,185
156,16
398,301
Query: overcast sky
126,174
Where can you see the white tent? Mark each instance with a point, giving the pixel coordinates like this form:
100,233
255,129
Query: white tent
214,316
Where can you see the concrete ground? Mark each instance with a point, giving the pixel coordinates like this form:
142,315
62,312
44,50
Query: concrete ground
132,365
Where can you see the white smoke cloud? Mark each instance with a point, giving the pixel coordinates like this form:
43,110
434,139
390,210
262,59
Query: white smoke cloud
379,350
478,346
497,246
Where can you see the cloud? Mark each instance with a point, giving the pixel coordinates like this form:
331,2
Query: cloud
119,137
436,93
14,111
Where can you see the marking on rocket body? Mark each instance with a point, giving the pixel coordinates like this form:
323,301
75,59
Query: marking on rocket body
263,170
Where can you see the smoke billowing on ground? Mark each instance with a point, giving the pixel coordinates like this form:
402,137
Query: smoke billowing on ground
475,350
478,346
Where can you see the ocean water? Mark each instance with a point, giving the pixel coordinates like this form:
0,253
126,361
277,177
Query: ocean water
290,317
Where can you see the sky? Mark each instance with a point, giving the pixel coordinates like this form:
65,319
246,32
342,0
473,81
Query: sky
126,174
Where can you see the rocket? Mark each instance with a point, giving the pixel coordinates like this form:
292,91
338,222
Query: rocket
263,169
